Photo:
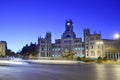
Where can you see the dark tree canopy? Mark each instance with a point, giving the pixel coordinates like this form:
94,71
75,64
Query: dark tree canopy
29,50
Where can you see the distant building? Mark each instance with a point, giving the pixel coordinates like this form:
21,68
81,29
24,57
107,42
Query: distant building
68,43
93,45
3,48
90,44
44,46
111,48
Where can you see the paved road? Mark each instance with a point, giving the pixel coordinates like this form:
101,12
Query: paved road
60,72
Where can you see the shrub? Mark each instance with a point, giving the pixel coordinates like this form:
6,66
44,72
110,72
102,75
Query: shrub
1,56
99,59
78,59
105,59
87,60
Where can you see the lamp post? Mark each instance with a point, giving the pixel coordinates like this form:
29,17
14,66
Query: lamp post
117,36
101,47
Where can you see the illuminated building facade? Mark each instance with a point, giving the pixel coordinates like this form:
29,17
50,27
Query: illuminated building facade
3,48
93,45
68,43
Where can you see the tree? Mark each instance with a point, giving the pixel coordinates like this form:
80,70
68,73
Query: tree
10,53
29,50
78,59
99,59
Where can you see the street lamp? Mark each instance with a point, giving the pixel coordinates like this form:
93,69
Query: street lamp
117,36
101,47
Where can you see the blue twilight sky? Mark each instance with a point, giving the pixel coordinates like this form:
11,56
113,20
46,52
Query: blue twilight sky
23,21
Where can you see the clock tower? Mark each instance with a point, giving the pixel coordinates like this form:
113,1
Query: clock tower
69,30
69,25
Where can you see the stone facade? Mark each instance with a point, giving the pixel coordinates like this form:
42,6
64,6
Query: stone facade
68,43
3,48
111,48
93,45
44,46
90,44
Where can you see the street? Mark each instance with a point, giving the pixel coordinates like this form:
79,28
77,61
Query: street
59,72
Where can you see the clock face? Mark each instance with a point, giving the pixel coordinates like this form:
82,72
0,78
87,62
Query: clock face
68,24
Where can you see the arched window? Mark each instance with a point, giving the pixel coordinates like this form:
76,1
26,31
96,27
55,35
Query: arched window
68,36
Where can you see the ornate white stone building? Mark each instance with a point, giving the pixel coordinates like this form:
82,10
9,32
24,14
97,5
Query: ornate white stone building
93,45
45,46
68,43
